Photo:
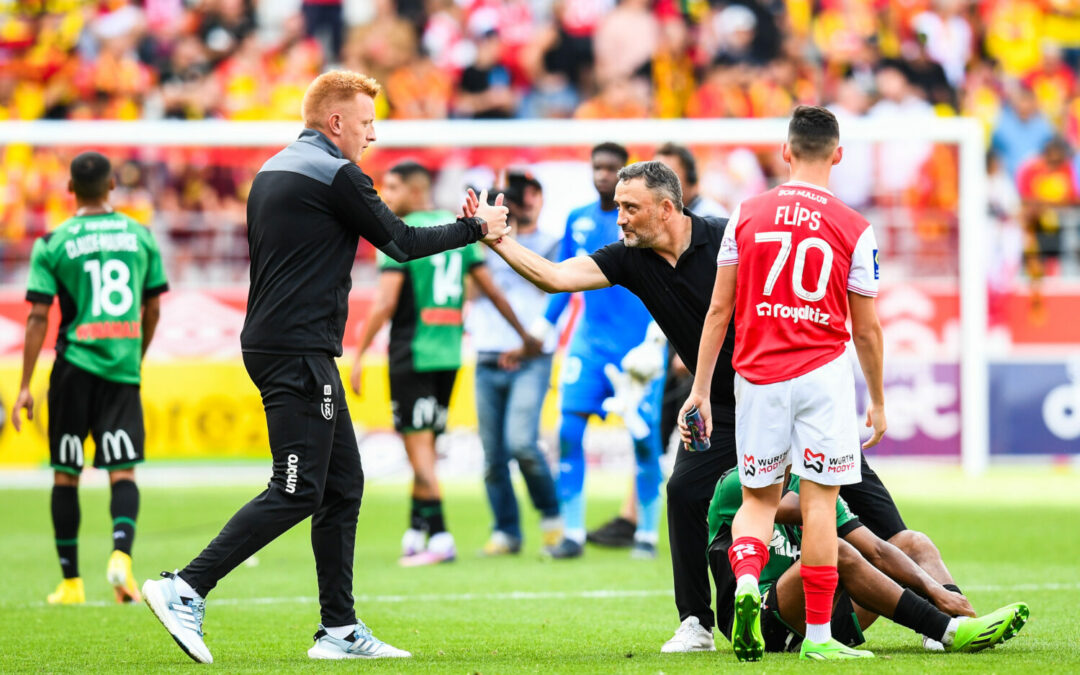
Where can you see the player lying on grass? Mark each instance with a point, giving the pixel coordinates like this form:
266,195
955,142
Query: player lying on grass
876,579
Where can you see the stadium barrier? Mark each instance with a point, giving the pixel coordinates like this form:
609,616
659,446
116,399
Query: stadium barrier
202,409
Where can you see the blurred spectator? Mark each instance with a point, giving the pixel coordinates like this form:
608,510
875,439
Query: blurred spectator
419,90
485,91
625,40
723,93
1005,243
385,43
1022,130
842,28
898,162
729,33
1013,34
223,26
1053,83
947,38
982,97
1046,183
1049,179
325,21
928,75
618,99
187,91
853,178
679,159
673,76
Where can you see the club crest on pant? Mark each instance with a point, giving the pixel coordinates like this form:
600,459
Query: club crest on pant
814,461
328,403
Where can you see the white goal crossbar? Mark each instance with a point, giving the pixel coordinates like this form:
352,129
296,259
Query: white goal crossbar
964,132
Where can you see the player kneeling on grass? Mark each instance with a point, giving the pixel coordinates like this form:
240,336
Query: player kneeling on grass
875,579
107,272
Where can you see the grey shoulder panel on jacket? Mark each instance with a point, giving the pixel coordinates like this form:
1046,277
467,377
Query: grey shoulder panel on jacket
308,160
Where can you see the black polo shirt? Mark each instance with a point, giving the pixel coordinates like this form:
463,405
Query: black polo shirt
678,298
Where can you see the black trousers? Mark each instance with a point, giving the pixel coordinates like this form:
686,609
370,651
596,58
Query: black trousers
691,488
689,491
316,472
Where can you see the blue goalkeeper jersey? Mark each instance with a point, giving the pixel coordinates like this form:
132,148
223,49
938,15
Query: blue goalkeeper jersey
614,320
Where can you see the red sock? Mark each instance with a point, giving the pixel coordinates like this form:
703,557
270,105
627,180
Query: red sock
748,555
819,586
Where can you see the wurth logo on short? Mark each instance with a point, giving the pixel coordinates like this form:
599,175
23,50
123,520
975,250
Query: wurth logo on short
291,470
815,461
841,464
762,465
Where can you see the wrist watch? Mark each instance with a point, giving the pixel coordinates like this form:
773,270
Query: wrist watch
483,226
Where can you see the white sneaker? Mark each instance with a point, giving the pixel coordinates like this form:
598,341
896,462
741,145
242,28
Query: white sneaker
360,645
440,549
181,616
691,636
412,542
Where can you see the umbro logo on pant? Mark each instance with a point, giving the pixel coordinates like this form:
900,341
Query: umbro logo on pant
291,470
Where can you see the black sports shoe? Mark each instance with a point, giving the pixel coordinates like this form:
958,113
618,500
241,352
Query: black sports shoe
616,533
566,549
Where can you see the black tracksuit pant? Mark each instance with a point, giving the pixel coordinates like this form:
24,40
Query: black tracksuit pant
316,473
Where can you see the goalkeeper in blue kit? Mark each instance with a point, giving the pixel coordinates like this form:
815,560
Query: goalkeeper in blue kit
615,363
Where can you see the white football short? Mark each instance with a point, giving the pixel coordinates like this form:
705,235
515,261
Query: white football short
808,423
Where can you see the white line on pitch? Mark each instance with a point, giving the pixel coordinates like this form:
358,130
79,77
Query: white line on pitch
603,594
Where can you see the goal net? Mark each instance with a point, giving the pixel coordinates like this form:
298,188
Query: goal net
922,184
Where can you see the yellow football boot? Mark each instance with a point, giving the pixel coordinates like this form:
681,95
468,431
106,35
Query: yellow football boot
122,580
69,592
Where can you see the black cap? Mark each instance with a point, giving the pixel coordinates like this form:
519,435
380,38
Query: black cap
516,181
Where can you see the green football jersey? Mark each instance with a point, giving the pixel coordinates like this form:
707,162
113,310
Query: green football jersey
100,267
426,328
786,545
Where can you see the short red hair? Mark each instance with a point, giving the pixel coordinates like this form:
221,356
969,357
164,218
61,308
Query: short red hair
333,87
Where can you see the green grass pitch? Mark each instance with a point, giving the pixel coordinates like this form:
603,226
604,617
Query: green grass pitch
1013,536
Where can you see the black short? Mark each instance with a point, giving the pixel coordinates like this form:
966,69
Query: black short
779,637
420,401
872,503
82,403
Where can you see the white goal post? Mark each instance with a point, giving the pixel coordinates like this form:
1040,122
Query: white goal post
966,133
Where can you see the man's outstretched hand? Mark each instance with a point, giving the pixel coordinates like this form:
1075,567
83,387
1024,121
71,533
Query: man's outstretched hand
494,215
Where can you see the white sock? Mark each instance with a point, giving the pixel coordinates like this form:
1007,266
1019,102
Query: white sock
576,536
340,632
184,588
950,632
441,543
818,633
748,580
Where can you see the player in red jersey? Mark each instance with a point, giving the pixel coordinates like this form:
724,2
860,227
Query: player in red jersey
794,262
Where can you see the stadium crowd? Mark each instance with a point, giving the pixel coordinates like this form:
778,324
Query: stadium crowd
1013,64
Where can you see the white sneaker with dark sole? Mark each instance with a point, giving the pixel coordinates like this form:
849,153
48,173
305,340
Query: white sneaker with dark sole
360,645
181,616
